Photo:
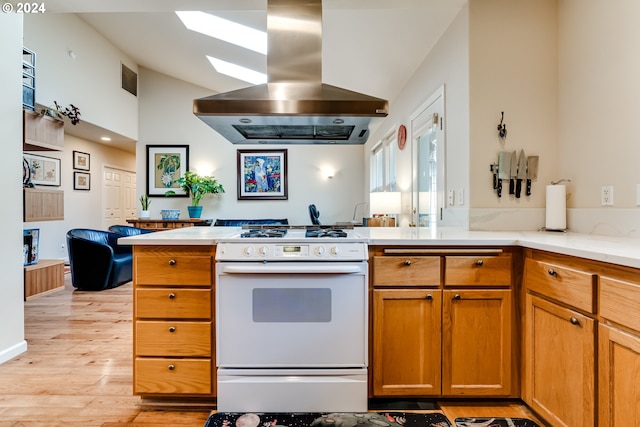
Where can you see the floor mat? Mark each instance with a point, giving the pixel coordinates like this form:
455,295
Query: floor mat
494,422
336,419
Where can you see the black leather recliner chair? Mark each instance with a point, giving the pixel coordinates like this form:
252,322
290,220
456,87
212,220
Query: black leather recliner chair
97,261
314,214
127,230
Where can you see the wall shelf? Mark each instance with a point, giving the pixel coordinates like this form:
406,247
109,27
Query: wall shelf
43,204
42,133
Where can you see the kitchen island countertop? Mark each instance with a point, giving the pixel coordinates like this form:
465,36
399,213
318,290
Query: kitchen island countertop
612,249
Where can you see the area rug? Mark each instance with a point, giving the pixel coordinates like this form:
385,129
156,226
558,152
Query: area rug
336,419
494,422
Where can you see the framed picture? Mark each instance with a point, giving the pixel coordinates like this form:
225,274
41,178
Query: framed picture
165,164
262,175
43,170
31,240
81,181
81,161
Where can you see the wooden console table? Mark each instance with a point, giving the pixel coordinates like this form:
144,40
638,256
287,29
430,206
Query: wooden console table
169,224
44,277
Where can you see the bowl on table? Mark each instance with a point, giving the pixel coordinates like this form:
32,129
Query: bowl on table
170,213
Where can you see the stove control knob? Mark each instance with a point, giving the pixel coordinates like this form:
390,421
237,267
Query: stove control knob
334,250
319,250
248,251
263,250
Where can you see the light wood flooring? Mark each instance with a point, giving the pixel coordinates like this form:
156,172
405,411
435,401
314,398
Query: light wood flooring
77,371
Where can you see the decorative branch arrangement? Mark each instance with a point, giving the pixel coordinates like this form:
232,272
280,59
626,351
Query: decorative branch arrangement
72,112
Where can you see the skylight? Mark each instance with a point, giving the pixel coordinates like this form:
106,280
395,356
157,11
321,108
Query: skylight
223,29
237,71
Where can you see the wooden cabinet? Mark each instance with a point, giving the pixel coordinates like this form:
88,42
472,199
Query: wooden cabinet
42,133
559,342
173,321
43,204
166,224
44,277
451,313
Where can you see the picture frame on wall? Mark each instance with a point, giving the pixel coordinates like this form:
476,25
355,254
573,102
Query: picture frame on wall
81,161
81,181
43,170
165,164
262,175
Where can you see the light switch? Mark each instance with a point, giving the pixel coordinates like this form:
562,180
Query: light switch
450,198
460,197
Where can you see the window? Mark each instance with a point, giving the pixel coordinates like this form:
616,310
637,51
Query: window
383,164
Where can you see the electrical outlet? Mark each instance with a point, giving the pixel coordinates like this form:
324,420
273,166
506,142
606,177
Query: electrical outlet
606,195
460,197
450,198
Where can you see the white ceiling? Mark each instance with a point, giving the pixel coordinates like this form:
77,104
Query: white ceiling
369,46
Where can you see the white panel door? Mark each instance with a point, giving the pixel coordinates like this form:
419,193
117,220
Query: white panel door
119,196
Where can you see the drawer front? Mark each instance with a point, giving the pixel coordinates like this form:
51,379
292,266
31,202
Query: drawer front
173,303
406,271
168,269
172,376
572,287
177,339
182,224
477,270
620,302
150,225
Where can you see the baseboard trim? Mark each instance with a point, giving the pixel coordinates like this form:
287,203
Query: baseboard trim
13,351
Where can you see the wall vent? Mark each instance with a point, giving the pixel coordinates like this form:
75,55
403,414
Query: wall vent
129,80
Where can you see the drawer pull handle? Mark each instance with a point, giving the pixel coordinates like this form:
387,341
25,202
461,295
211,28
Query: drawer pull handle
429,297
552,272
479,263
172,367
407,262
456,296
574,321
172,262
172,329
172,295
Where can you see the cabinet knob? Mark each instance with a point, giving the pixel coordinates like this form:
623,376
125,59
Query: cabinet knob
429,297
407,262
172,329
456,296
479,263
172,262
574,321
552,272
172,367
172,295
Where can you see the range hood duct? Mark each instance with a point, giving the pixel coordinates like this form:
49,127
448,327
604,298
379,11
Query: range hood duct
294,107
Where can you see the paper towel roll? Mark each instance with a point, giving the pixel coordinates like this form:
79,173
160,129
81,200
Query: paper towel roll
556,207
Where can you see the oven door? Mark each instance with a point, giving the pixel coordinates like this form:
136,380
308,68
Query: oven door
291,315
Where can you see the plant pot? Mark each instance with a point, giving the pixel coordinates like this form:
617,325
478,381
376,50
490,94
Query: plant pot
145,214
194,211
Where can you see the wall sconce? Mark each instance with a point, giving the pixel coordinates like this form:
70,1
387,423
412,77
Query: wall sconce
328,172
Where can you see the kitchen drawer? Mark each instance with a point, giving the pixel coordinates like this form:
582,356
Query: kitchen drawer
620,302
406,271
164,268
171,303
172,376
477,270
173,338
572,287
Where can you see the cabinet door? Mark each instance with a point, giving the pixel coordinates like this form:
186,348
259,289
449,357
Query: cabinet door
619,376
476,343
559,363
406,342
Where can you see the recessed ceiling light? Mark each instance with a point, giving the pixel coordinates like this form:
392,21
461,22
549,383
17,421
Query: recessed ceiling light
223,29
237,71
105,138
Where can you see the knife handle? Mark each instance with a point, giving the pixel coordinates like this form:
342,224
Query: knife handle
512,186
518,188
528,189
495,181
499,188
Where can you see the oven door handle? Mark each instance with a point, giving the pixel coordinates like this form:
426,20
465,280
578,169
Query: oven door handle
292,269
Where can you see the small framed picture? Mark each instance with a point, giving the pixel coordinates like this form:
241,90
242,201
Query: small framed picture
81,181
81,161
43,170
262,175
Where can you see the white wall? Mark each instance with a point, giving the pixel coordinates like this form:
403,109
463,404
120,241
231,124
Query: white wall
12,340
91,81
166,118
82,208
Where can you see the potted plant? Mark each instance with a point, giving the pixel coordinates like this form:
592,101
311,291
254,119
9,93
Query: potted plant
72,112
197,186
145,201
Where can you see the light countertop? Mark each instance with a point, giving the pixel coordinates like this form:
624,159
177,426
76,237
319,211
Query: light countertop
616,250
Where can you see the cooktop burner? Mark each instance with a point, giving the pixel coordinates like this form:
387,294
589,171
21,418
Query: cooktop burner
324,232
266,232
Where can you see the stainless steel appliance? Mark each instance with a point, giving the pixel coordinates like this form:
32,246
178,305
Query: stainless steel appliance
291,321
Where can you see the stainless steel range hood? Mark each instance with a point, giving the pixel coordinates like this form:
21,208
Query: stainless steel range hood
294,107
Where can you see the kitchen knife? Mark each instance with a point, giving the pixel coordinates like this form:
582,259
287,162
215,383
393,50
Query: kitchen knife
513,170
532,172
504,163
522,173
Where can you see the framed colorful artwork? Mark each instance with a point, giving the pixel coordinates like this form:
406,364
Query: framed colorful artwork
43,170
262,175
165,164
